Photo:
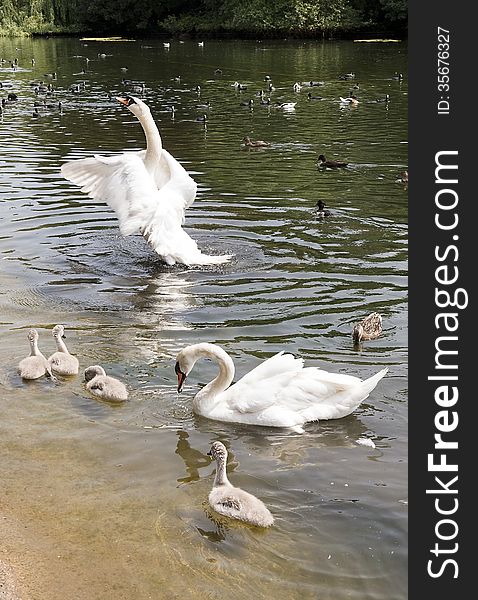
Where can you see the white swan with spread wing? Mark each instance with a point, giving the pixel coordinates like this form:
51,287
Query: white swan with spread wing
280,392
149,191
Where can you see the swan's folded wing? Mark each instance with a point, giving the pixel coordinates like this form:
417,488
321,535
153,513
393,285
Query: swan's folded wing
256,390
282,362
231,503
120,181
319,394
325,393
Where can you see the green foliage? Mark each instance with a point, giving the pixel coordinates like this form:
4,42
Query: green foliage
119,16
394,10
200,24
25,17
265,17
287,15
253,17
382,12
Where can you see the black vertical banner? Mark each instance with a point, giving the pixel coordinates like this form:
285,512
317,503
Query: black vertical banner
443,269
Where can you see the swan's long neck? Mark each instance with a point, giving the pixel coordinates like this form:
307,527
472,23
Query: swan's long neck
154,145
60,345
221,476
224,377
34,351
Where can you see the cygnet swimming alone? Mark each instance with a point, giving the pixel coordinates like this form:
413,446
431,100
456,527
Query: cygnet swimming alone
231,501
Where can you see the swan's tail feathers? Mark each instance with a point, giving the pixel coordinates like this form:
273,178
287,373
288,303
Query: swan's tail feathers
208,259
371,383
354,397
171,257
174,245
345,401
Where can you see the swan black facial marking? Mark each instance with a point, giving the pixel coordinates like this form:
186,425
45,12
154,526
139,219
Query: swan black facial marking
126,100
181,376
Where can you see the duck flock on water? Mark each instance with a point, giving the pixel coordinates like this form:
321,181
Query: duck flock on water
150,192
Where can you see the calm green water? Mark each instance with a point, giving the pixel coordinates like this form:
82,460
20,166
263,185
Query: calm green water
113,498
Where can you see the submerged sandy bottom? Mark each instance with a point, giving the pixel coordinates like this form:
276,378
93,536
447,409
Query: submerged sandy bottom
8,589
9,586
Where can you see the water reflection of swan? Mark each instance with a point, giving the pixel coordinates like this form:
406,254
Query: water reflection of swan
162,305
166,293
280,392
193,459
149,191
287,449
163,300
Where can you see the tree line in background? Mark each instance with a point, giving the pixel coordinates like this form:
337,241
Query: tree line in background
203,17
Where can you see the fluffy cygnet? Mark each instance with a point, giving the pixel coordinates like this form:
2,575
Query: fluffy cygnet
231,501
61,361
35,365
103,386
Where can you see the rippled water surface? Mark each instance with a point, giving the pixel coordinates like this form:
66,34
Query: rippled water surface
110,501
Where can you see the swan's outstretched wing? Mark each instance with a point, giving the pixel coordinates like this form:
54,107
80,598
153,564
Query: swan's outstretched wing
124,183
104,178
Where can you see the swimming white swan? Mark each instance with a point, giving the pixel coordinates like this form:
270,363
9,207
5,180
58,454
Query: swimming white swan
35,365
61,361
287,105
280,392
149,191
351,100
231,501
103,386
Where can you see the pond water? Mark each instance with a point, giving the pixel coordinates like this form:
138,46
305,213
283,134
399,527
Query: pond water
109,502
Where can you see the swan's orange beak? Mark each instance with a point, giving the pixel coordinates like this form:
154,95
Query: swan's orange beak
181,377
122,100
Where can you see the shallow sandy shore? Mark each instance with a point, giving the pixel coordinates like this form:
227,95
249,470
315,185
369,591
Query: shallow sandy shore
8,590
